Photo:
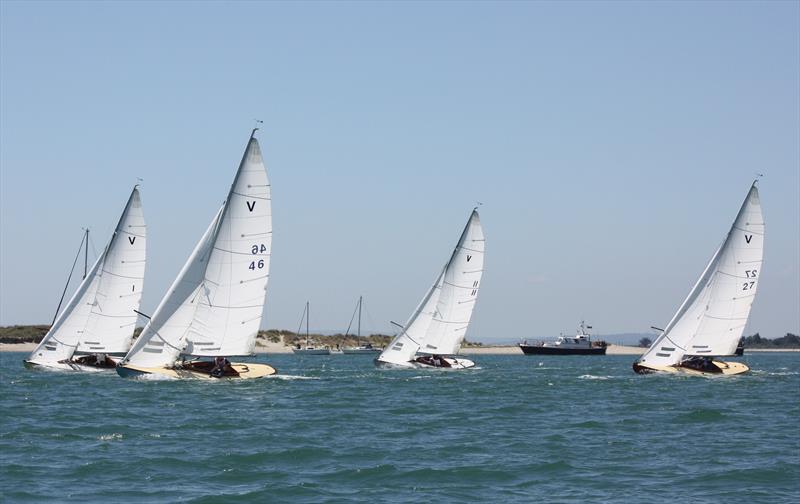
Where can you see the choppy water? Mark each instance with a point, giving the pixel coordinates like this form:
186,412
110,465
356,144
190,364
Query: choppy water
333,429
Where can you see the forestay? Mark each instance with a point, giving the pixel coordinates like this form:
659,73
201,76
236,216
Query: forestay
100,316
712,318
214,306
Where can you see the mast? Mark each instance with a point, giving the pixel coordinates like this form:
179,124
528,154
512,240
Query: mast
308,316
359,315
86,256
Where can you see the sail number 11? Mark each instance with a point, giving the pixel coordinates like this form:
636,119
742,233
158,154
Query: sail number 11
256,249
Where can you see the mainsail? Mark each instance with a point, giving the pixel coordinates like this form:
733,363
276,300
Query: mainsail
440,321
100,316
214,306
712,318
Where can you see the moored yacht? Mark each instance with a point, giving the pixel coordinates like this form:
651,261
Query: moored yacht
364,348
308,349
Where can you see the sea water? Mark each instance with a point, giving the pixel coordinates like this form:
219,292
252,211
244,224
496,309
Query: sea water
335,429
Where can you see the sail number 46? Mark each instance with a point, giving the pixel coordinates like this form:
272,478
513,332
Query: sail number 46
256,249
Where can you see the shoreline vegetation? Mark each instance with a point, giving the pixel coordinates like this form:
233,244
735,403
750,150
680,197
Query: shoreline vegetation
24,338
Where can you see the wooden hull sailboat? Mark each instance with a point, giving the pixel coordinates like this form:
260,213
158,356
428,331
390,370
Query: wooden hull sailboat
433,334
98,321
709,323
237,371
214,307
365,348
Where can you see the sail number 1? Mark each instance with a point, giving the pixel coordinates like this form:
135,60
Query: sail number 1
256,249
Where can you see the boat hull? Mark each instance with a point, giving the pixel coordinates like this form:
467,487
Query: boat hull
544,350
315,351
722,368
354,351
454,364
66,366
246,371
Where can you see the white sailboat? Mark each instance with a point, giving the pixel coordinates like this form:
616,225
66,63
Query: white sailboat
433,334
308,349
98,321
213,308
713,316
364,348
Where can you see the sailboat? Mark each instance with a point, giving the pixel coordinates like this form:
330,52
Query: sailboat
364,348
97,323
713,316
308,349
213,308
433,334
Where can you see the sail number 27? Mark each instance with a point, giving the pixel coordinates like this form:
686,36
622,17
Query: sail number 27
256,249
749,274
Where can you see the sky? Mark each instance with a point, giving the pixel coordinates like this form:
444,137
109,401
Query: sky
611,144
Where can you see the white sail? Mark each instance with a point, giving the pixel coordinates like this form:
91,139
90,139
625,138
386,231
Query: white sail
120,282
405,345
439,323
459,292
712,318
215,305
101,311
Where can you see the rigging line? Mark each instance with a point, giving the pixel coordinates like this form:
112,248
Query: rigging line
83,238
347,332
369,317
94,249
303,316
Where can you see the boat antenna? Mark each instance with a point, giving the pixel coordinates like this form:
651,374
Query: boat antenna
139,180
477,204
71,271
758,177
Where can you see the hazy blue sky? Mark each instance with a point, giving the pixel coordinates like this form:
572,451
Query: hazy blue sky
611,145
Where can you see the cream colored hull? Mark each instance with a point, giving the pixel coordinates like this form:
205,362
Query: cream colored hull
247,371
725,368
